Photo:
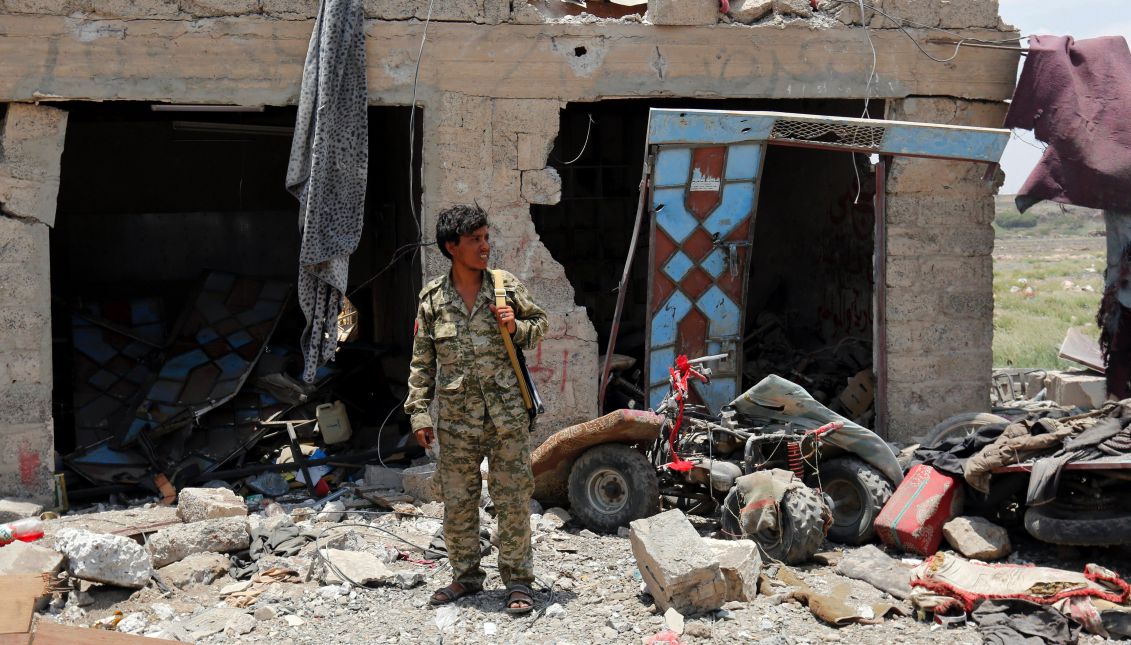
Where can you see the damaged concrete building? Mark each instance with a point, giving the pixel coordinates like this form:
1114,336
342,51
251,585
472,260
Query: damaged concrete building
145,141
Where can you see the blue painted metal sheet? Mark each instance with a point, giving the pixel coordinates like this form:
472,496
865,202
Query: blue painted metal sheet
713,127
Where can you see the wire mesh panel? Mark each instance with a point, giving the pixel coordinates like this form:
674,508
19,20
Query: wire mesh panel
829,134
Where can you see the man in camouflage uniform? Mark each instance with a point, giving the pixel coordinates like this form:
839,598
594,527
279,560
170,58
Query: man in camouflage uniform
458,358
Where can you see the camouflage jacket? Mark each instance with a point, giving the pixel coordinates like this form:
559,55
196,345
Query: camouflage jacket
459,357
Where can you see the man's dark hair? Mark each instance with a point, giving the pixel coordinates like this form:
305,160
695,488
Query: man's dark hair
456,221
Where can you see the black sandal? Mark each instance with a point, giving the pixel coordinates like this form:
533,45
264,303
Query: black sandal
445,595
513,596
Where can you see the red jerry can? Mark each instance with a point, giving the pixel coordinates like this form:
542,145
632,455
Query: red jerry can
913,518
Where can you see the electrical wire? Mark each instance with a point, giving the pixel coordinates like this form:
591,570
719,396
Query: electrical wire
412,124
584,145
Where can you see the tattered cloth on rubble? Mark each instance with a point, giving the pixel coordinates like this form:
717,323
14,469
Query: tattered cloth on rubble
950,454
777,398
284,541
1053,443
833,607
328,168
878,569
1076,97
945,582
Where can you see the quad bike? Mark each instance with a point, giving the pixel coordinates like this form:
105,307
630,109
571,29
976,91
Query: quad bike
619,467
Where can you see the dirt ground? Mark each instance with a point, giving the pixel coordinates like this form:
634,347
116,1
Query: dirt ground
589,583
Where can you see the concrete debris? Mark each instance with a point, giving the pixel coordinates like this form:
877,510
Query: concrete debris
196,504
799,8
417,483
977,538
204,624
357,567
741,564
555,610
555,518
265,613
682,12
382,477
109,559
197,568
134,623
163,611
679,570
239,625
673,620
14,509
222,535
25,557
543,186
1081,389
331,512
749,11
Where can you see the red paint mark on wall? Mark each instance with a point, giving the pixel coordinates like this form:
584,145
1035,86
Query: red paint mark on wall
29,464
565,370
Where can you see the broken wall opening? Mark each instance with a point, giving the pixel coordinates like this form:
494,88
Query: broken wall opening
152,202
809,303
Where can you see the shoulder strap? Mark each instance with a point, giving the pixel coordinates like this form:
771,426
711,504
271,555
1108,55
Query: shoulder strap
501,301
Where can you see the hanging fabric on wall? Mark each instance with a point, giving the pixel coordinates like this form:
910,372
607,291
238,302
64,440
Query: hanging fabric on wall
327,171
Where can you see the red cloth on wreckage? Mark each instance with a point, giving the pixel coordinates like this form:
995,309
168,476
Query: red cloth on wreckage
1076,97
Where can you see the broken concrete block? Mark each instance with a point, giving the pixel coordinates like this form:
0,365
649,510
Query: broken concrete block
533,150
175,543
673,620
679,569
15,509
749,11
382,477
418,483
741,564
109,559
24,557
196,504
682,12
331,511
800,8
239,625
198,568
357,566
1077,388
977,538
542,186
554,519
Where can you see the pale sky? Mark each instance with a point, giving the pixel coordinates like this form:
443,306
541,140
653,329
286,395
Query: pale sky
1077,18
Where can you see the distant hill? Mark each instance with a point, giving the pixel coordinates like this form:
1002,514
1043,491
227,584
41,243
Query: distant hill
1046,219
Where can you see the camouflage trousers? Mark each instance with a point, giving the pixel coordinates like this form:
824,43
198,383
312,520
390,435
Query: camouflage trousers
510,483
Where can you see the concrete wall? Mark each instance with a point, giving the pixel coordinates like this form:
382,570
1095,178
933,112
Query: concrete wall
492,81
939,275
493,152
31,143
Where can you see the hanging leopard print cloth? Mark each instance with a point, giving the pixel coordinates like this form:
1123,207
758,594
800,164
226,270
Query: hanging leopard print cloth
327,171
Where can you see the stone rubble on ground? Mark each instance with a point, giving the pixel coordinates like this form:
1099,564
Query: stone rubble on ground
177,542
27,557
109,559
977,538
17,509
661,581
197,568
679,569
196,504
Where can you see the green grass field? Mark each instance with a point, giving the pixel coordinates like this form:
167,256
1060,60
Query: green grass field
1042,286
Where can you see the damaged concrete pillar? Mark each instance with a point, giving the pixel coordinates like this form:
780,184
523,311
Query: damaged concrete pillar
494,152
31,146
939,276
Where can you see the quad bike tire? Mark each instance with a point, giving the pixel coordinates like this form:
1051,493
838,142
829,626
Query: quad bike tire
961,425
857,492
610,485
1074,527
802,525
